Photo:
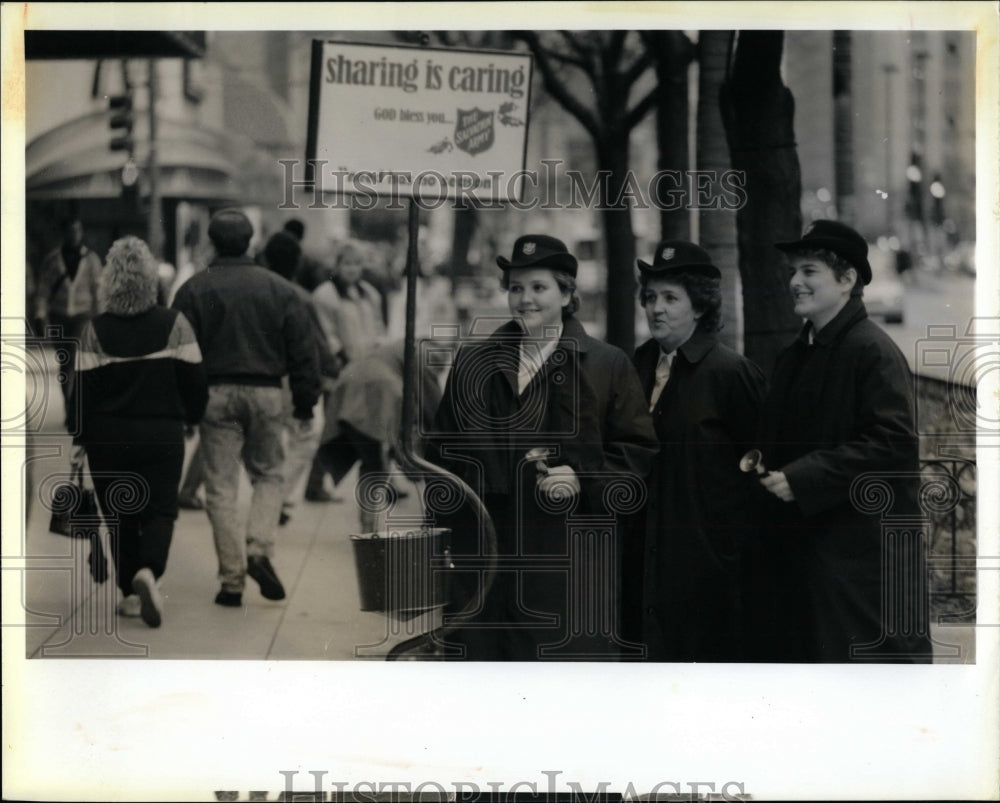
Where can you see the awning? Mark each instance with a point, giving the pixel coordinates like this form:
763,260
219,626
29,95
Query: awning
113,44
74,161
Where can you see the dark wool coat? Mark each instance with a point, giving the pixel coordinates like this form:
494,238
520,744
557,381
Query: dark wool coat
838,408
699,509
586,405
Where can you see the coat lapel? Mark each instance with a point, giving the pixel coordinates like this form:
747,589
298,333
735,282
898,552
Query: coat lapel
646,357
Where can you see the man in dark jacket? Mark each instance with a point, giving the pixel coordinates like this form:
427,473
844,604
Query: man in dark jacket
253,330
832,583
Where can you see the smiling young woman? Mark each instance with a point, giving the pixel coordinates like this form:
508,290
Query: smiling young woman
541,383
840,407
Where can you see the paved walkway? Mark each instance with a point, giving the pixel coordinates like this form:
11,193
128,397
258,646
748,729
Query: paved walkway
70,615
67,614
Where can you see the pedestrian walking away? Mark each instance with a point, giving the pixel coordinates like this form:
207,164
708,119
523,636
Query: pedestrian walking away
253,330
67,293
282,255
140,379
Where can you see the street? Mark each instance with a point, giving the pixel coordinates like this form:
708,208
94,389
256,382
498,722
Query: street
932,301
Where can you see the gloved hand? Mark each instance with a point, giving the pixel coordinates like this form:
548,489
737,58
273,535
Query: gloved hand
777,483
304,426
558,482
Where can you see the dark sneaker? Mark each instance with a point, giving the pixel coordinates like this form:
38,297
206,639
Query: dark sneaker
230,599
261,570
285,516
322,495
150,599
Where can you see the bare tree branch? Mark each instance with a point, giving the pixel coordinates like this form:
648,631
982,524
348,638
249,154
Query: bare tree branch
615,45
641,109
557,88
638,67
576,45
566,58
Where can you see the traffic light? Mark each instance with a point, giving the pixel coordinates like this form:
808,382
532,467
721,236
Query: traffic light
121,120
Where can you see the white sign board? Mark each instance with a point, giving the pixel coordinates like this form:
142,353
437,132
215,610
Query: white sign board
402,121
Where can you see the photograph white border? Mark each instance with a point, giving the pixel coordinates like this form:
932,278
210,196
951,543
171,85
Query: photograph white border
179,730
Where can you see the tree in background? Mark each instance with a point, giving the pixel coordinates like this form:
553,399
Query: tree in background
604,66
672,53
758,114
717,227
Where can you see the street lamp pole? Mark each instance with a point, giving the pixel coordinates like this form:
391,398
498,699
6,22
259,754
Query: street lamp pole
888,69
155,220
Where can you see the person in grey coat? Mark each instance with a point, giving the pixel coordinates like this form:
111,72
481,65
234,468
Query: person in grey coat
840,407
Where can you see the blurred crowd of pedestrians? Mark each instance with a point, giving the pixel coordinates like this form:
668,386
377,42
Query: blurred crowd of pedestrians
275,364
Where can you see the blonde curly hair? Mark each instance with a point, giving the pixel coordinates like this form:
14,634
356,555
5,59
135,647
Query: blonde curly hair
129,282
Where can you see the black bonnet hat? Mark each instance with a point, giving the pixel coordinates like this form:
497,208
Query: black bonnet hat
539,251
678,256
841,239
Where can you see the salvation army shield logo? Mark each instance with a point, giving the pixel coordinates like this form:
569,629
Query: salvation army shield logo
473,130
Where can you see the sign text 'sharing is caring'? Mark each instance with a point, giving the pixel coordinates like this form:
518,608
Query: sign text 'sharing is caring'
401,121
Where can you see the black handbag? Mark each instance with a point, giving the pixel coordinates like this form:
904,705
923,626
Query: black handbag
70,502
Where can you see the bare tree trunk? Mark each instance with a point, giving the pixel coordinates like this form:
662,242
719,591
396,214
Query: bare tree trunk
620,242
758,110
672,52
612,71
717,227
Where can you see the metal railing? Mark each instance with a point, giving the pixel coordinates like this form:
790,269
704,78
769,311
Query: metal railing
951,556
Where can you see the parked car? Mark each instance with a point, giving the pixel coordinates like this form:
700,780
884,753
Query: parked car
884,295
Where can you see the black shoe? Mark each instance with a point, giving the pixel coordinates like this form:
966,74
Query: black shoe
261,570
230,599
284,518
323,496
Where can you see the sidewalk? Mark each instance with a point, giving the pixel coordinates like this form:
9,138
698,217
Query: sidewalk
70,615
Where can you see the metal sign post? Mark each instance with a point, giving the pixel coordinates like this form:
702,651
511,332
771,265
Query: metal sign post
431,124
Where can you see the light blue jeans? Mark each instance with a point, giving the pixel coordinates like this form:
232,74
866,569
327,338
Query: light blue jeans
242,425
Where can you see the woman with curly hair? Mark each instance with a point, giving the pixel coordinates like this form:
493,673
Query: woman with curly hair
139,379
705,401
